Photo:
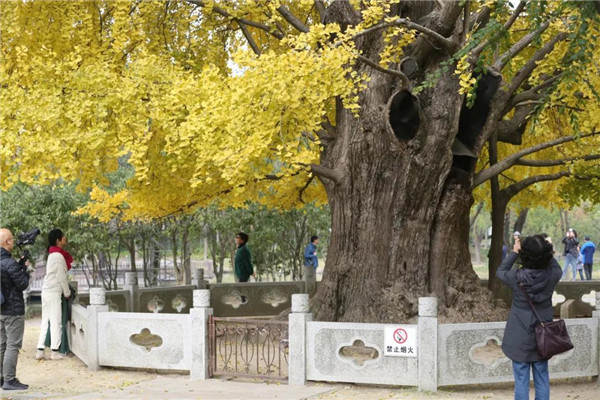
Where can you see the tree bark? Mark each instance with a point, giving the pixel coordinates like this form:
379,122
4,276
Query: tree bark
499,211
399,208
520,221
564,220
399,226
506,233
174,245
130,244
186,264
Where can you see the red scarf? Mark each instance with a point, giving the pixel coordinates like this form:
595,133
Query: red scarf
65,254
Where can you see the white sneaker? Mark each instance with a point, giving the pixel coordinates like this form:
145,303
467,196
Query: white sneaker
57,356
39,355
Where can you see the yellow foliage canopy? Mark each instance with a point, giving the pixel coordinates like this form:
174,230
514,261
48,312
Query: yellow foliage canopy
179,91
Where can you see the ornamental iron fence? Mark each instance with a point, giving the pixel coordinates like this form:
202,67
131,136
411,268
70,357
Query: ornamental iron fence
240,347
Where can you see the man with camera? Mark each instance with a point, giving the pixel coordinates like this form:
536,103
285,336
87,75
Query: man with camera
15,280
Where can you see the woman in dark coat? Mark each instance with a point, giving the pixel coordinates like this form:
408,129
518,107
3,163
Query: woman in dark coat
540,274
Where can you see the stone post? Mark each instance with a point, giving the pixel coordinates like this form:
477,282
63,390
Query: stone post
310,280
97,305
427,344
298,319
199,315
199,280
596,314
131,284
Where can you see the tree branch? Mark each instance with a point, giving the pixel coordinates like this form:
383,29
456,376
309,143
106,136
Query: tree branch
512,190
244,21
309,136
510,131
477,211
532,94
532,64
308,182
439,39
485,13
292,19
322,9
327,173
328,127
249,38
466,22
393,72
520,45
509,161
555,163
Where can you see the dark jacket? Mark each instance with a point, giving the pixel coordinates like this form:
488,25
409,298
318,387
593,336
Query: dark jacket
14,281
519,342
571,246
243,263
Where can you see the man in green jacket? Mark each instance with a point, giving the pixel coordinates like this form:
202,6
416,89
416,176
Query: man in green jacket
243,260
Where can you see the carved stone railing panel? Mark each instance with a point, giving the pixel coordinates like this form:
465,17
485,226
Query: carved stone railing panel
252,299
358,353
146,339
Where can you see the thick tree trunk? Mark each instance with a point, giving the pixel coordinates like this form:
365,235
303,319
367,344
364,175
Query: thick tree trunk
399,197
399,230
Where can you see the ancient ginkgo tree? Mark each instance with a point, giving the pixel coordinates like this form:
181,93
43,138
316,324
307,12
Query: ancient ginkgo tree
382,109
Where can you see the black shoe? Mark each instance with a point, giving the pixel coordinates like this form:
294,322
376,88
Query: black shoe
14,385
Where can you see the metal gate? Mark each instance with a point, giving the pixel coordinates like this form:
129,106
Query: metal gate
248,348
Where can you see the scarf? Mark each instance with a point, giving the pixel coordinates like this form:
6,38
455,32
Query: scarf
65,254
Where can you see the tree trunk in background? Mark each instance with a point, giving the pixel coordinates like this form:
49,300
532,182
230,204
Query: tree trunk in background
564,221
186,255
499,206
506,232
520,222
476,233
130,244
174,245
477,238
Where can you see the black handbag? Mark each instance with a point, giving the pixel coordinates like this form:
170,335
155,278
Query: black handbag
552,337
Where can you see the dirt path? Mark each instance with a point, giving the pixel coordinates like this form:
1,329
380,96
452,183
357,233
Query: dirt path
69,376
564,390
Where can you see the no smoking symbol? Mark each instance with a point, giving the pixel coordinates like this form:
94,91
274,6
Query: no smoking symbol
400,336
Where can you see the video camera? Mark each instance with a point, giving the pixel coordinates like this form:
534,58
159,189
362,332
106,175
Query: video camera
25,239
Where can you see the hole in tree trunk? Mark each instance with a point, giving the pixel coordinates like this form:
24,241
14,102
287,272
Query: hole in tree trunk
403,115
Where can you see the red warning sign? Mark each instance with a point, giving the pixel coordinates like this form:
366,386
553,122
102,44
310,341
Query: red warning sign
400,336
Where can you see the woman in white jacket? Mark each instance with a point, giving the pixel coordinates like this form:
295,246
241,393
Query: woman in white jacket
55,285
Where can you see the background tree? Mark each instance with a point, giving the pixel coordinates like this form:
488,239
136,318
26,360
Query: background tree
388,104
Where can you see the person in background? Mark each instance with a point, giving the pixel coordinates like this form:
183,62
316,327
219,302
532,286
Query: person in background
310,253
14,279
243,258
587,252
55,284
538,276
571,253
